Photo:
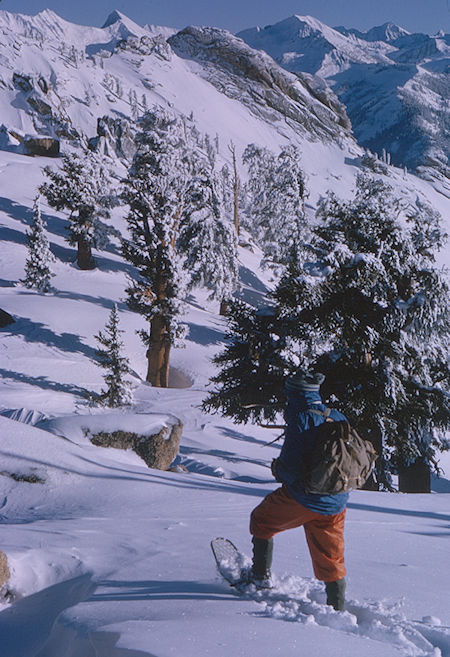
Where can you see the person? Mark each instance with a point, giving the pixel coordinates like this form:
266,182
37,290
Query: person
290,506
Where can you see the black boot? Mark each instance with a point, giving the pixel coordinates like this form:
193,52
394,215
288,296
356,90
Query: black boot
336,594
259,574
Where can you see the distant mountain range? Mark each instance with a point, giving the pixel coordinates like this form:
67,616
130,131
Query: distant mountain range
395,85
298,81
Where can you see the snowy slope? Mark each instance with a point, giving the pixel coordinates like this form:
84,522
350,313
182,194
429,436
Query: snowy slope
393,84
109,558
112,559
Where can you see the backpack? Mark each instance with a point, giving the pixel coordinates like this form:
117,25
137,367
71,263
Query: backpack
339,460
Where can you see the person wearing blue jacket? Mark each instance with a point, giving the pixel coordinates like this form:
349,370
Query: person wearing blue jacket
322,516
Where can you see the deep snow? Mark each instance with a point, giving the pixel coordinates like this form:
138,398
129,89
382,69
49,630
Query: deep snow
111,559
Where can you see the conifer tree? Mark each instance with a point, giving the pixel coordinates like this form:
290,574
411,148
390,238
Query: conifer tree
254,363
376,320
276,192
37,269
371,311
81,186
154,191
117,367
207,238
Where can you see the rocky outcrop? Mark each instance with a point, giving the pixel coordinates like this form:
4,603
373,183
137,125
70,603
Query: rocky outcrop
23,82
5,319
146,45
253,77
40,106
41,145
114,137
158,450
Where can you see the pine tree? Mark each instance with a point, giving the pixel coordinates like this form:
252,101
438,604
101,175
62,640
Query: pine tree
207,238
37,270
82,186
154,191
375,319
371,311
276,192
109,357
254,363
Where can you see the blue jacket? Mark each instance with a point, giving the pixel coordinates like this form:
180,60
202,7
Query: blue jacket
298,442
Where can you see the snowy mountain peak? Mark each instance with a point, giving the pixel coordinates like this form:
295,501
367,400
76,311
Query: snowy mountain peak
114,17
386,32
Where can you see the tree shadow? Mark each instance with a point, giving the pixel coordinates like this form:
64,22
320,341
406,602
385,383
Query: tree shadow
44,383
16,211
128,591
401,512
204,335
147,475
37,332
440,484
12,235
98,301
237,435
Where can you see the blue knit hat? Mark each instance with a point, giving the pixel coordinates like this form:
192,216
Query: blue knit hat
305,381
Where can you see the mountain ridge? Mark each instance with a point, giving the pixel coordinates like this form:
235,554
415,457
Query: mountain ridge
404,115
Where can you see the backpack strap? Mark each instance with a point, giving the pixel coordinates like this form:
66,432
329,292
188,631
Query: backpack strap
326,413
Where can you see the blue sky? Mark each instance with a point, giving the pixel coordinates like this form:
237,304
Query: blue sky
415,15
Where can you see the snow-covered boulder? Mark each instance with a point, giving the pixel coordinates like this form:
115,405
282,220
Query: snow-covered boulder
152,436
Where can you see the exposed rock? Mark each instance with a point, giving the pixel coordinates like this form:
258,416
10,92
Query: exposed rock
5,319
4,570
23,477
41,145
146,45
158,451
253,77
178,468
114,137
43,85
22,82
40,106
322,91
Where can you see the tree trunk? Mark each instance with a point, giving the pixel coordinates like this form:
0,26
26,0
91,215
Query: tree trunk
84,255
232,150
414,478
158,354
224,306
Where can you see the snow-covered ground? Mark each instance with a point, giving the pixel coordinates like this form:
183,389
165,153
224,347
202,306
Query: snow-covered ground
112,559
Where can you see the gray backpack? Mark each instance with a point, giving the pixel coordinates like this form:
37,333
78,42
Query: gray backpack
339,460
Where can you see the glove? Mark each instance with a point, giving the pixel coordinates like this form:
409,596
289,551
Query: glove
274,469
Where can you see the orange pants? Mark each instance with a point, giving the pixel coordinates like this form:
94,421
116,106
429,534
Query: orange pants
324,534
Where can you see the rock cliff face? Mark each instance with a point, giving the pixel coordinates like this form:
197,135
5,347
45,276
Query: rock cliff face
240,72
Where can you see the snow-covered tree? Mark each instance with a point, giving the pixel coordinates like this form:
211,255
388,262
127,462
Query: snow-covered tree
154,190
207,237
37,266
83,187
375,319
254,363
276,192
371,311
109,356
